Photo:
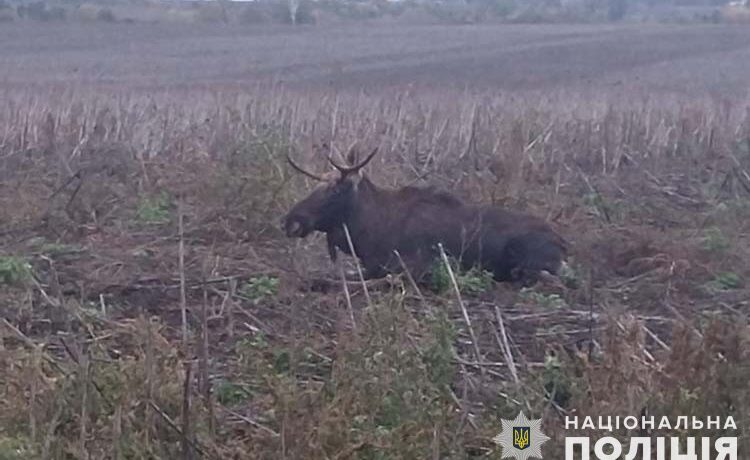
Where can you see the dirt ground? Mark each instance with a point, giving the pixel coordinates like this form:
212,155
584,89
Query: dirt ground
663,58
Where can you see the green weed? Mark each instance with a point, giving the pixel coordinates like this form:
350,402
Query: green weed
725,281
14,270
473,281
439,353
556,382
569,275
541,299
714,240
16,449
229,393
56,249
606,210
260,288
154,210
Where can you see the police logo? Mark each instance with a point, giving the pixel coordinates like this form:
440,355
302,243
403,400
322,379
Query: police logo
521,438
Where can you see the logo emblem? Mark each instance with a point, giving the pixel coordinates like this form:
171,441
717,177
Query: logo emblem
521,438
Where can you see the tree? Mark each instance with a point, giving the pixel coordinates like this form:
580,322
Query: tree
293,7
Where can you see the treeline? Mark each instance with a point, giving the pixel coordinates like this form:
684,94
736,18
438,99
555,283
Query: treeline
326,11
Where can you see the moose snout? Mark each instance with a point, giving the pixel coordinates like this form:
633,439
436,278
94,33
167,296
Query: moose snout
293,226
293,229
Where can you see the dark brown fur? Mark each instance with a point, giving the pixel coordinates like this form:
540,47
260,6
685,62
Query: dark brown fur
413,220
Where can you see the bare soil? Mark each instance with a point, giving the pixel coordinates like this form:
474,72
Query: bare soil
663,58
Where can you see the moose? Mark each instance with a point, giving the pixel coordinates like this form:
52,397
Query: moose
390,230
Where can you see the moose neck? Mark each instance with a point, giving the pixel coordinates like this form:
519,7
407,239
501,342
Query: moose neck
355,218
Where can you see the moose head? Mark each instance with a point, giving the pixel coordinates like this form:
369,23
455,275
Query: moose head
330,203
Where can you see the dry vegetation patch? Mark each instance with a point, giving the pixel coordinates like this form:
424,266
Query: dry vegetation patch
121,215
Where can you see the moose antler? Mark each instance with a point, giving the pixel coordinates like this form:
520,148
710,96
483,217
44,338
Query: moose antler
355,168
306,173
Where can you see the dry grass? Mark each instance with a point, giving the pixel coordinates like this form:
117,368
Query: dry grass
119,207
652,195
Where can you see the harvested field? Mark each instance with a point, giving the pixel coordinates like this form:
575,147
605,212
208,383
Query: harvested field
681,59
151,307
